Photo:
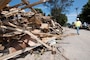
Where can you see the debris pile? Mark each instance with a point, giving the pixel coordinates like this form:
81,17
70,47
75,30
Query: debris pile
20,29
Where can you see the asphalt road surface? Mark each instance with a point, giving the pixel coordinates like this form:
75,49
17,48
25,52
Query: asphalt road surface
76,47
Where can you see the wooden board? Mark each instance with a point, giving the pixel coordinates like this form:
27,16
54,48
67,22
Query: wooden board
22,51
3,3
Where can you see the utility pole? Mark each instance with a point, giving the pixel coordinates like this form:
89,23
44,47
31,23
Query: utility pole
76,11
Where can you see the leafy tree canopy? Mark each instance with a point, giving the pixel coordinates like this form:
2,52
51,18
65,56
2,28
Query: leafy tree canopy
39,10
85,15
58,7
61,4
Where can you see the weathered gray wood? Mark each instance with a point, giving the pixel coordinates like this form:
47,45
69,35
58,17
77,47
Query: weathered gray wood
29,33
17,53
22,51
9,23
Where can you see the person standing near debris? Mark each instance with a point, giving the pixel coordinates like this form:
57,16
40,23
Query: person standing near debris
78,24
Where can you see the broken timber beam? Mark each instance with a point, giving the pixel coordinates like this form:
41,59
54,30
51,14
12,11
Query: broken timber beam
6,57
27,3
36,3
30,34
3,3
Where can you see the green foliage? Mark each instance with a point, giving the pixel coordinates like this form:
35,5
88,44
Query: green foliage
62,4
49,15
58,7
85,15
62,19
39,10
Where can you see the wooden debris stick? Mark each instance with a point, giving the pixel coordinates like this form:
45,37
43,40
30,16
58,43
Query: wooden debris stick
22,51
54,31
29,33
3,3
36,3
27,3
17,53
53,23
9,24
16,6
12,13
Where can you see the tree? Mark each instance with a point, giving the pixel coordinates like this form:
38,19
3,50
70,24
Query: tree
62,4
39,10
49,15
58,7
85,15
60,18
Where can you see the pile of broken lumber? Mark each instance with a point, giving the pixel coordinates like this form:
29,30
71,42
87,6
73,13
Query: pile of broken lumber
20,29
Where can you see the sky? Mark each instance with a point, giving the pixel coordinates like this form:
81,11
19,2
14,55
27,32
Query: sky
72,14
44,8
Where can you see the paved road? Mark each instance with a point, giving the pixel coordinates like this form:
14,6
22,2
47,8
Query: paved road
76,47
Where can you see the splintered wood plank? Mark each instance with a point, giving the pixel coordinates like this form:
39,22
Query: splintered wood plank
18,52
3,3
30,34
23,50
